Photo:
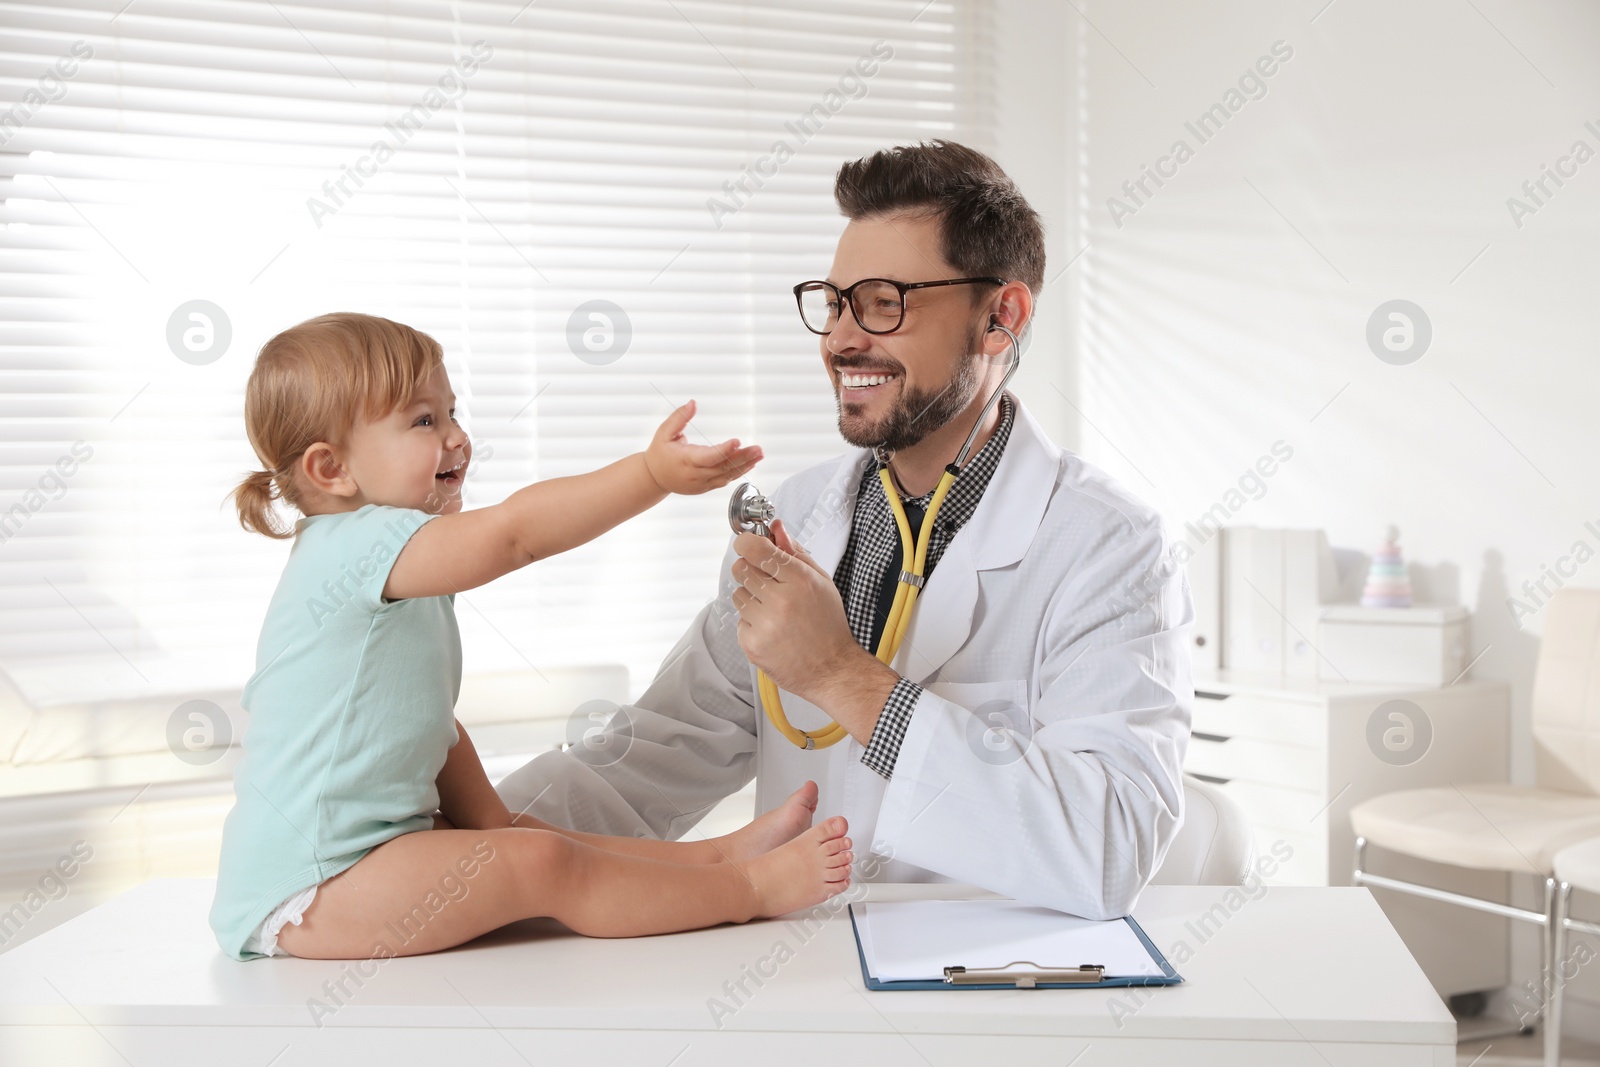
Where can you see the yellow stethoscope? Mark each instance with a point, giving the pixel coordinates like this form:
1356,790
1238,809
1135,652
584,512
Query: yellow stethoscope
750,512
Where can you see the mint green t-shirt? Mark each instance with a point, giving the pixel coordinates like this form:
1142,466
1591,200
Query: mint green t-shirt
352,712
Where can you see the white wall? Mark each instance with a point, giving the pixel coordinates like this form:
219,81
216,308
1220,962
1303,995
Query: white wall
1229,309
1025,94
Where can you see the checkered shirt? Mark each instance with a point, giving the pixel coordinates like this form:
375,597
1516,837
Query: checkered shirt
874,541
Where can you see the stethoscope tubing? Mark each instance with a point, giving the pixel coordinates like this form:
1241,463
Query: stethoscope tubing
911,579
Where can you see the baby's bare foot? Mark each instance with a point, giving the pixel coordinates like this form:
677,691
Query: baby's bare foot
769,831
802,872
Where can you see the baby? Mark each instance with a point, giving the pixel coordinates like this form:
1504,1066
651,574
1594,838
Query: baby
363,824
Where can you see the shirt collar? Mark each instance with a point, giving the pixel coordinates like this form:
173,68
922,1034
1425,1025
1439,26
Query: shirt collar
964,495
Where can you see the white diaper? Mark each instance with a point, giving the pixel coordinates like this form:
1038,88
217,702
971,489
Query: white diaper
265,937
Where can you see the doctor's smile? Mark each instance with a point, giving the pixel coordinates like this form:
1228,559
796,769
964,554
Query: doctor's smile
857,384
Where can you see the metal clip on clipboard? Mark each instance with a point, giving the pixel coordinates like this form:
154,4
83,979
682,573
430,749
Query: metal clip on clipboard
1088,973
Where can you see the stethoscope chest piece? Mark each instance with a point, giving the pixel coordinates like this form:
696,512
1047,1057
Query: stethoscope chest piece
750,512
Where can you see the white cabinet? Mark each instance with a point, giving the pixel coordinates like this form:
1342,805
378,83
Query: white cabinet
1297,753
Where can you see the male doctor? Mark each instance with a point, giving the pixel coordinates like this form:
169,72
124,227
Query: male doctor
1028,737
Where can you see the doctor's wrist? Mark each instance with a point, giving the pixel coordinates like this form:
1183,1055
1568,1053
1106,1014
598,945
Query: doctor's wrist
855,692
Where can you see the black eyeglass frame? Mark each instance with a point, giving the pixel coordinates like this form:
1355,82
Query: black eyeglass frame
847,297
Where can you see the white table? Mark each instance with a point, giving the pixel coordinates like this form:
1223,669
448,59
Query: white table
1312,976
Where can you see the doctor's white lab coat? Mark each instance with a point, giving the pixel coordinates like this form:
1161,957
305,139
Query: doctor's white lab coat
1043,759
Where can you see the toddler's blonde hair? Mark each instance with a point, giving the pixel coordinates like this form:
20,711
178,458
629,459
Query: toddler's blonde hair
314,382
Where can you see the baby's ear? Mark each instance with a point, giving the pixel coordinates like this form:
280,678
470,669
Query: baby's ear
320,468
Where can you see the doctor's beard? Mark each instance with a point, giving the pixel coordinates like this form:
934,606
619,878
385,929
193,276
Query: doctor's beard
918,412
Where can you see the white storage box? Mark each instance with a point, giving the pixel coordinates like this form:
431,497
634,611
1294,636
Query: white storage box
1416,646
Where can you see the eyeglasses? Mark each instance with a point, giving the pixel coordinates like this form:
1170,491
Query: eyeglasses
878,304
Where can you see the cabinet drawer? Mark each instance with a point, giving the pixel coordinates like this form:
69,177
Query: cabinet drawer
1267,762
1263,718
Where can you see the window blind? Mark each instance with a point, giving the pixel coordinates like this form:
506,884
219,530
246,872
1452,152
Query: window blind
598,207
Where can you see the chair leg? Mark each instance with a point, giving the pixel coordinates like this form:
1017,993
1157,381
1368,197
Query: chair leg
1545,944
1361,854
1555,982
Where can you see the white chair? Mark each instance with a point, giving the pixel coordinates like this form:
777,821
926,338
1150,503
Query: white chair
1576,867
1214,845
1511,828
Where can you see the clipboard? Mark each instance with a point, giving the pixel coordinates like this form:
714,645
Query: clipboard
1060,976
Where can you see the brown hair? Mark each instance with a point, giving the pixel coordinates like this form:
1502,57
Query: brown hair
313,382
987,226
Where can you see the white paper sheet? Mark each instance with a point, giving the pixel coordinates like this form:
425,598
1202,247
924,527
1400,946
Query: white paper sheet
915,940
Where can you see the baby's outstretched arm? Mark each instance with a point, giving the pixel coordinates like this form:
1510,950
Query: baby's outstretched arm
454,553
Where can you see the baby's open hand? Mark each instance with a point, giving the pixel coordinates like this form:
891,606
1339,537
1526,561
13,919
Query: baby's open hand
681,467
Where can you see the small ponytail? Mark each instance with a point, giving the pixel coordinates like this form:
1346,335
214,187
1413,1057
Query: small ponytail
254,497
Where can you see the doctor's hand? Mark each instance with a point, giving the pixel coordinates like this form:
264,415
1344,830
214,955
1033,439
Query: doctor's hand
791,619
680,467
